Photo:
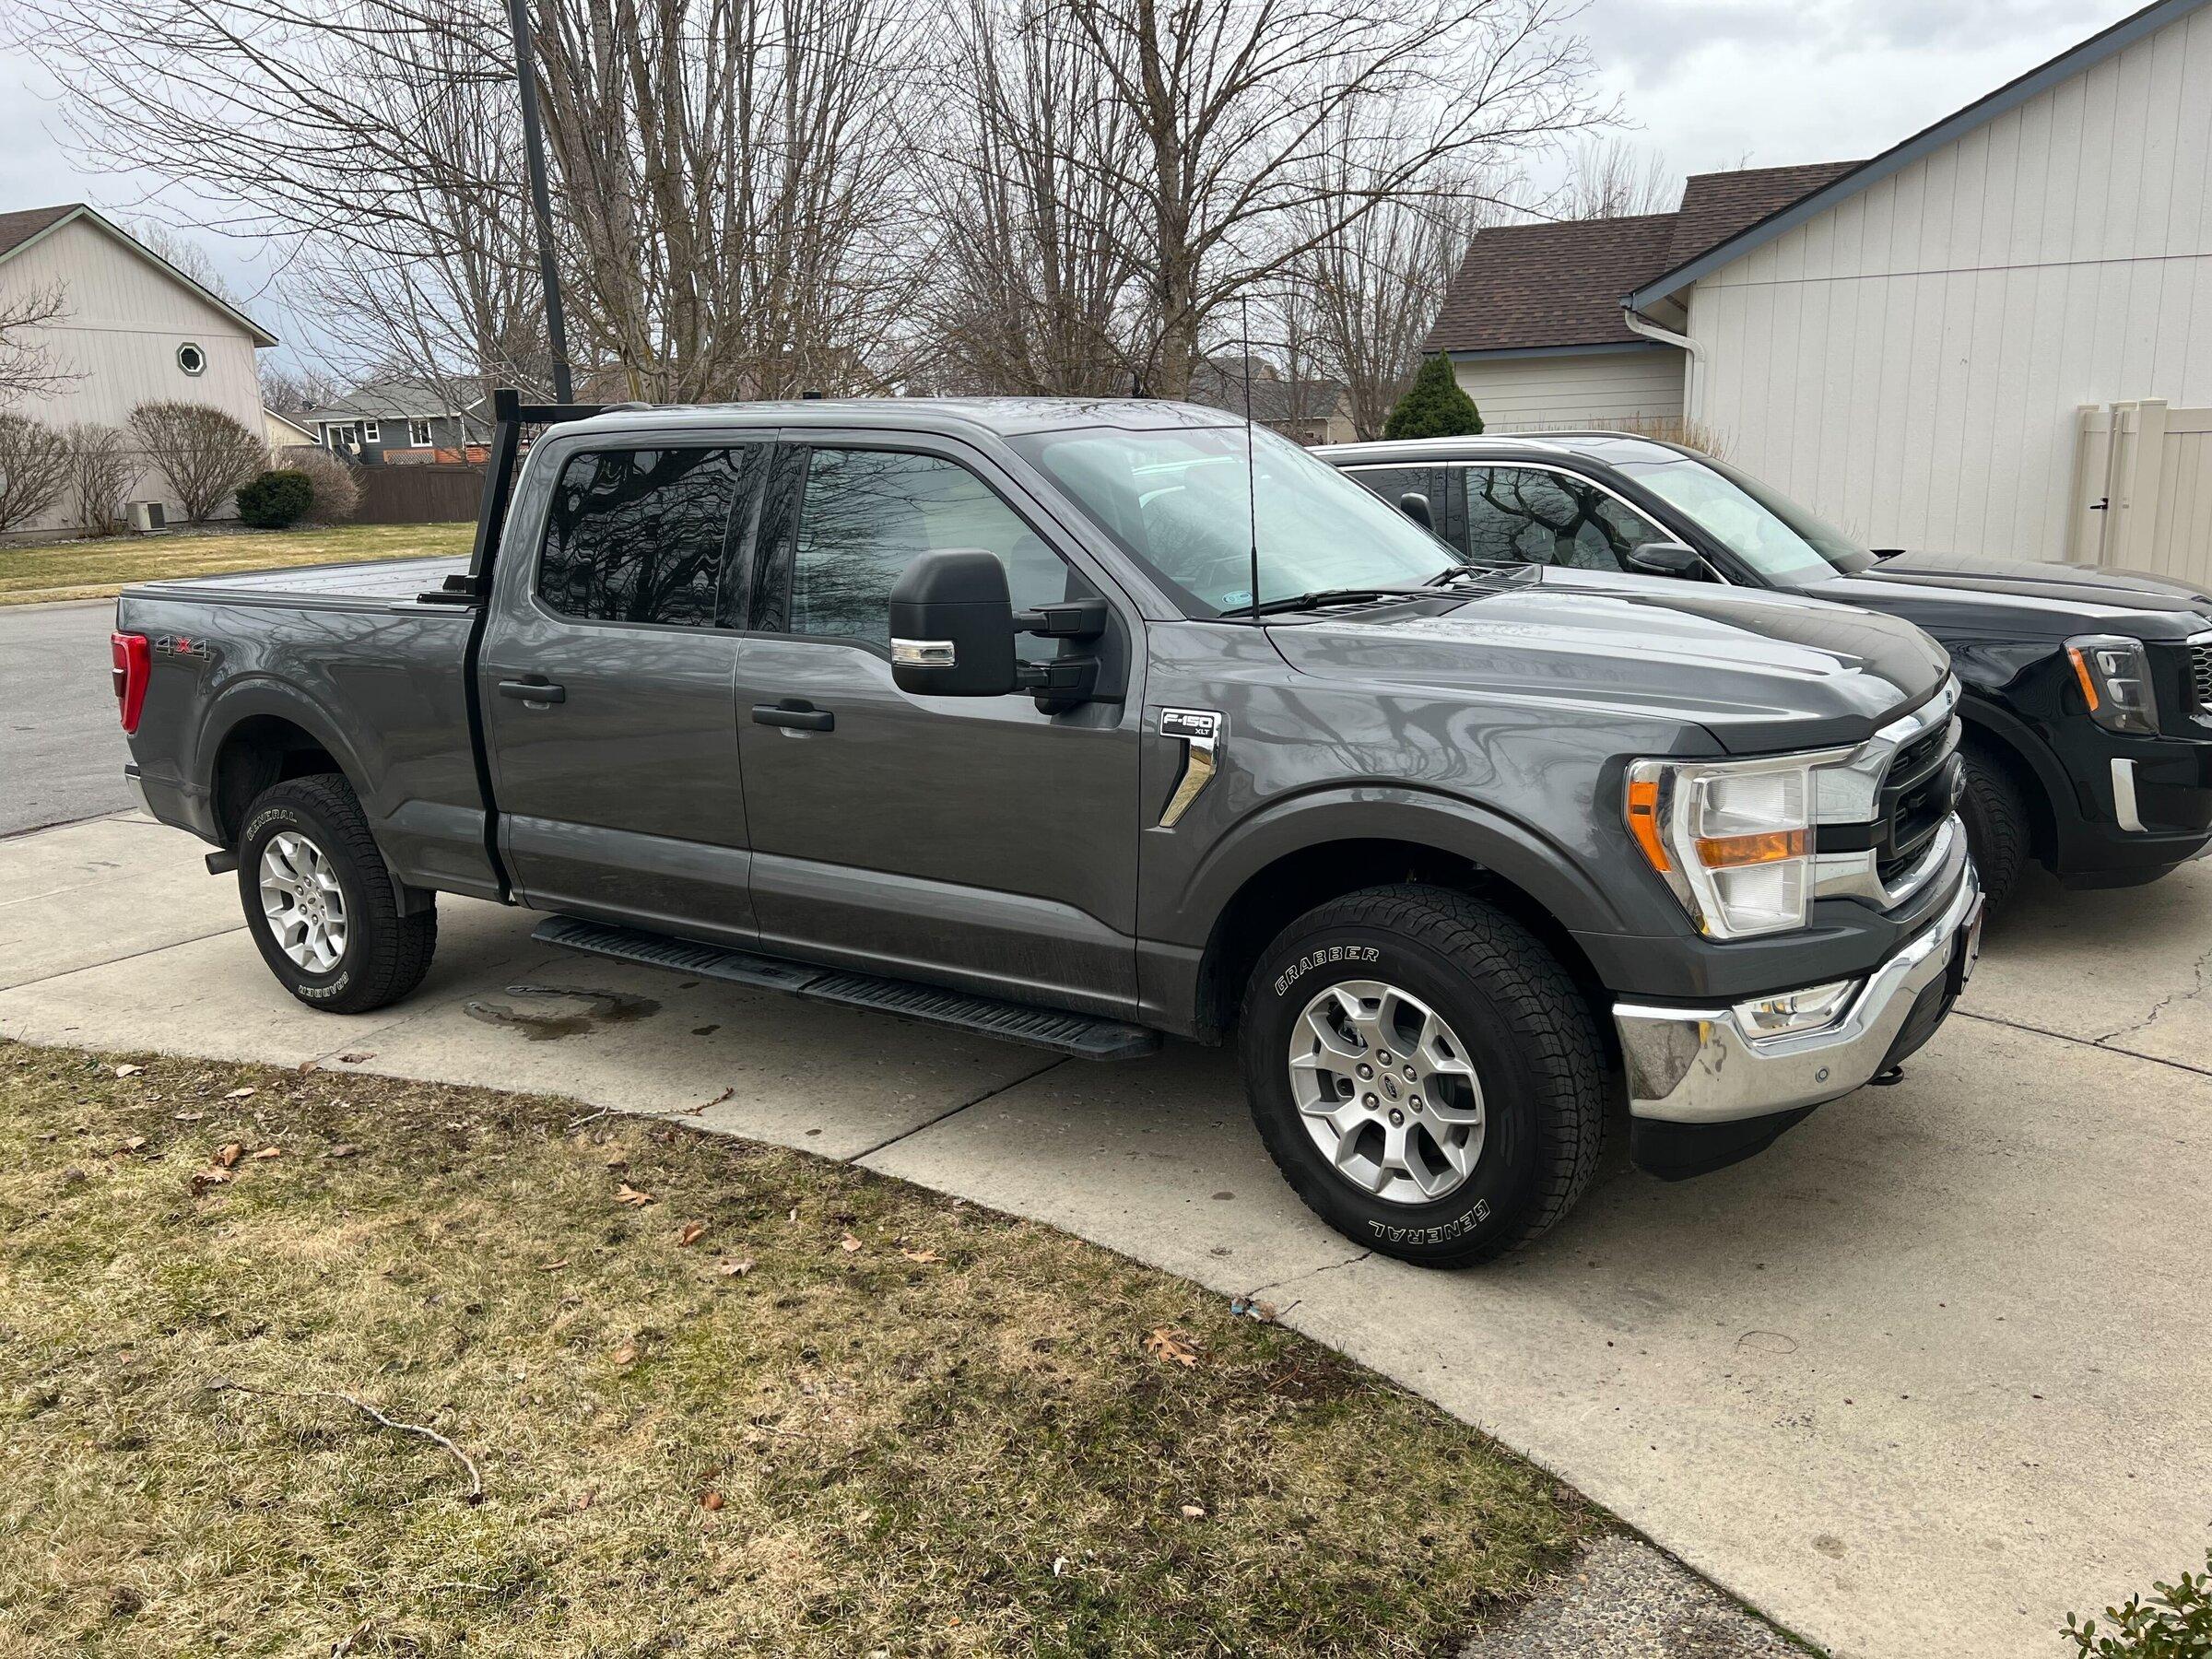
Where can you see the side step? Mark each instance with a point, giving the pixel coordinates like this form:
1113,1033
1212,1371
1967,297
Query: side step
1084,1036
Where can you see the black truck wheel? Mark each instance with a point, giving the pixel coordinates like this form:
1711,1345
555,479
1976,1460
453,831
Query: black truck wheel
1424,1073
1996,815
320,903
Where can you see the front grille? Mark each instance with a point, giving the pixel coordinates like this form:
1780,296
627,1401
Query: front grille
1917,798
2200,675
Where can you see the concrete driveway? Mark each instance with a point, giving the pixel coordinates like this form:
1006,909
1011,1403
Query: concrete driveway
1930,1373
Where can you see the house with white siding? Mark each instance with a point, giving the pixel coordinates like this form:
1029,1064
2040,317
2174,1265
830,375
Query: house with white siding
1994,337
131,329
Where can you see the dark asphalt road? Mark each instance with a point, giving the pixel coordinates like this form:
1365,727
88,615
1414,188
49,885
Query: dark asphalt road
61,749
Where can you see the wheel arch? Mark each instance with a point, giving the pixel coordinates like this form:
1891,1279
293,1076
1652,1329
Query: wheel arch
2044,785
1281,877
263,733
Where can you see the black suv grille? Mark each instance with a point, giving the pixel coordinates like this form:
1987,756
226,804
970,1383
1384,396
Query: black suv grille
1917,798
2200,676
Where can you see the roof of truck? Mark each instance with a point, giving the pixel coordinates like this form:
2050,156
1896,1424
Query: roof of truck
1001,417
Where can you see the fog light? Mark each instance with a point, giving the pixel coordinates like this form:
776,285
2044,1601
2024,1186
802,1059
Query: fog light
1793,1011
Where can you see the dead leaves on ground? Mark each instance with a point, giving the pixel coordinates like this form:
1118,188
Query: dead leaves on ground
1171,1346
626,1193
690,1233
229,1153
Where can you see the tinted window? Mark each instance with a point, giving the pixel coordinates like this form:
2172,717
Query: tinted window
639,535
865,514
1439,484
1549,518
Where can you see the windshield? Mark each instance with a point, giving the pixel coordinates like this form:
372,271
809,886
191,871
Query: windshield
1763,527
1178,501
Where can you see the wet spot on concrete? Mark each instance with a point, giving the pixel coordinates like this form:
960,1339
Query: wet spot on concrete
705,1031
1828,1544
543,1025
1225,1194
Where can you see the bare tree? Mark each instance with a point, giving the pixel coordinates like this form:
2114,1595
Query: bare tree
167,243
1615,178
296,391
34,470
204,453
1234,103
28,366
1370,287
1038,259
101,470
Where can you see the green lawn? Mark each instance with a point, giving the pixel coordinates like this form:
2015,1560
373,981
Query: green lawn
97,569
720,1399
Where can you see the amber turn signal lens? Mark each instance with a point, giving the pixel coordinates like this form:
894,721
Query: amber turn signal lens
1732,852
1643,822
2081,673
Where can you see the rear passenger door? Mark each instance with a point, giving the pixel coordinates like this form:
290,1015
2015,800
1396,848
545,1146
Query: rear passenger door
607,676
970,840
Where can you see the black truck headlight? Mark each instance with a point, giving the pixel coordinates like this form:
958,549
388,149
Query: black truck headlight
2115,682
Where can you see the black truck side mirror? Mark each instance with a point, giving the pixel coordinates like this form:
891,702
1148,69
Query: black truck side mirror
1665,559
1415,506
952,626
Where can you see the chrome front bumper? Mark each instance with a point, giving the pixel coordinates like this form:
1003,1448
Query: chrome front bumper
1700,1066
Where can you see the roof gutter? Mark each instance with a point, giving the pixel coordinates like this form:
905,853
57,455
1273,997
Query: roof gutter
1693,370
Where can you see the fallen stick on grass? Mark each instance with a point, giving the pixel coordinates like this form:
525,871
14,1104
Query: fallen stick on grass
476,1482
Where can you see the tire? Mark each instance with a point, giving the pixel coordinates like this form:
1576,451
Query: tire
1997,831
375,955
1512,1014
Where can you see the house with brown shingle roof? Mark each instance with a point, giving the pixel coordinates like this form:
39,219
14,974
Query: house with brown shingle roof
130,328
1924,347
1533,321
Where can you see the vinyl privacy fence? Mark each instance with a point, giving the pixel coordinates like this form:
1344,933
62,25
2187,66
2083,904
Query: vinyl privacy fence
2142,497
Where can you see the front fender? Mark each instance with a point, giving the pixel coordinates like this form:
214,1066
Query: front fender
1371,812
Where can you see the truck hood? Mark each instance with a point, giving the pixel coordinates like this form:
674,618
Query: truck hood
1952,594
1760,672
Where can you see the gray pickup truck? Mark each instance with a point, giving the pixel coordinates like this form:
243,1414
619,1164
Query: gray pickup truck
967,712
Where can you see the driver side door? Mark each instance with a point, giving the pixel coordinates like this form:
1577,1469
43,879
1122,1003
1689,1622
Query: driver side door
972,841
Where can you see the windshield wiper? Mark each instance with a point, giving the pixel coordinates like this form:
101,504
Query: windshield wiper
1326,596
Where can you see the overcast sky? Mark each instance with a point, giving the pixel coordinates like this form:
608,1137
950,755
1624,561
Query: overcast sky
1708,83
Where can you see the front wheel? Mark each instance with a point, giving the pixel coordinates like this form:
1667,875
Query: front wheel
1424,1073
320,903
1996,815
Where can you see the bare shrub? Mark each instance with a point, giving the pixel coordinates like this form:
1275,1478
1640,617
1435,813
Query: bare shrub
34,470
205,453
102,469
338,493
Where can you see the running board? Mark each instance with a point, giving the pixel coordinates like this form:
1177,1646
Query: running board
1084,1036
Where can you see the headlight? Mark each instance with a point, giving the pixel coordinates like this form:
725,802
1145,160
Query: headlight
1733,838
2115,682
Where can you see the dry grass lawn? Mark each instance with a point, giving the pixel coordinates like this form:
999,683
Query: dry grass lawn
99,569
723,1399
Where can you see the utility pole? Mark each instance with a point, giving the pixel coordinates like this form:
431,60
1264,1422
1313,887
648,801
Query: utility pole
541,203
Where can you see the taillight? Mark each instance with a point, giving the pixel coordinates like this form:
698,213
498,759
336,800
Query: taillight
133,663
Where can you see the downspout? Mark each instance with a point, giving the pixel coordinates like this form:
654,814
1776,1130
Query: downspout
1693,376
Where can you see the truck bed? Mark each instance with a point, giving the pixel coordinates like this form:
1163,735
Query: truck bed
376,582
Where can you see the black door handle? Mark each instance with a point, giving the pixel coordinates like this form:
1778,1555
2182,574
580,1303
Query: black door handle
531,691
794,714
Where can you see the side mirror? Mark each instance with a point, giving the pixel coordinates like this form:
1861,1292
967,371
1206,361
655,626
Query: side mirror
1415,506
1665,559
952,626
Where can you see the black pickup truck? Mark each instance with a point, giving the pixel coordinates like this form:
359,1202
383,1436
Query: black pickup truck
967,712
2087,692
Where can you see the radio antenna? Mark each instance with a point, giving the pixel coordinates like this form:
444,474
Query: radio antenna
1252,488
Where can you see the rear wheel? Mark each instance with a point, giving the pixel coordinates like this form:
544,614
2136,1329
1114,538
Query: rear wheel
320,903
1995,814
1424,1073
